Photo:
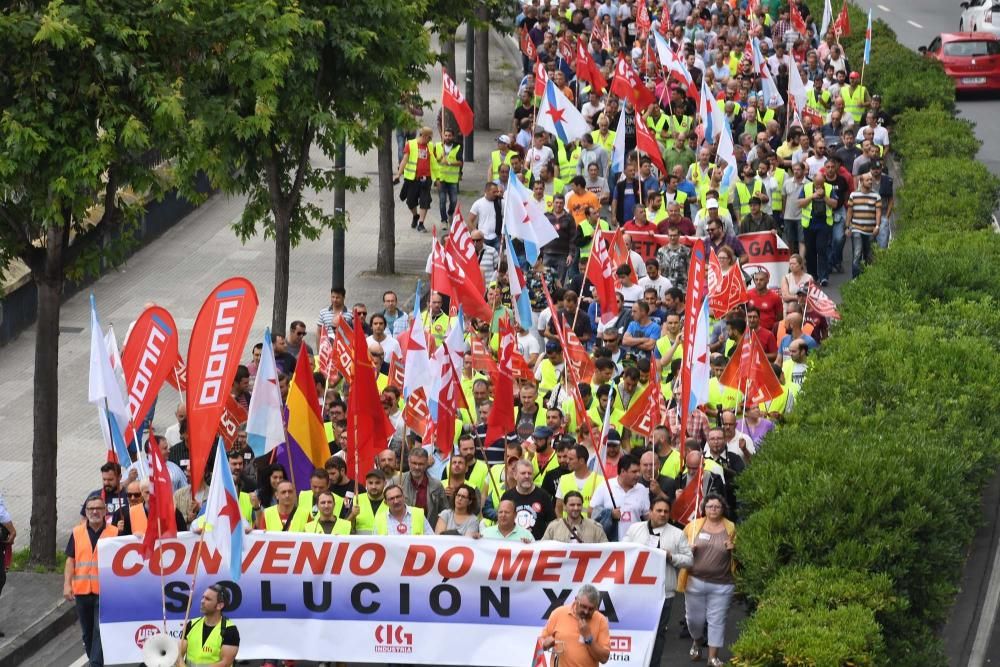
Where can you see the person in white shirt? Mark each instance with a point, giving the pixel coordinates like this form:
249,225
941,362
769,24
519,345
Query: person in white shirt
382,339
591,109
631,499
737,443
538,155
654,280
483,215
173,432
527,345
657,533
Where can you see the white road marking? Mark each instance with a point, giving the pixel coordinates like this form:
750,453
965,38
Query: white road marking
884,9
80,662
987,617
915,24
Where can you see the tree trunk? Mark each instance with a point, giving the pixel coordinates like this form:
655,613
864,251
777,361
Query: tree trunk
282,253
481,102
49,282
386,262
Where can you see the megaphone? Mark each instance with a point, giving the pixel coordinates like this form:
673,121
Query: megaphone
160,650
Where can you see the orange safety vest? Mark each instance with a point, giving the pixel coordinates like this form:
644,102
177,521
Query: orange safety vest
84,580
137,517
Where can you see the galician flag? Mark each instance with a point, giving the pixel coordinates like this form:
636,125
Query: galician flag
525,219
556,114
265,428
105,392
868,38
222,521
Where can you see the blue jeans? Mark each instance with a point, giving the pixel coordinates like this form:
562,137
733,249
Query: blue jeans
883,233
837,242
88,610
861,247
447,198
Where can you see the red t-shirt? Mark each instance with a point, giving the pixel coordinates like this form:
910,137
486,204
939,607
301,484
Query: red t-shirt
767,340
423,159
770,306
684,226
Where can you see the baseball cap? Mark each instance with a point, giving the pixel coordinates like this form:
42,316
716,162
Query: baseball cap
614,437
376,473
712,203
542,432
552,346
855,75
503,139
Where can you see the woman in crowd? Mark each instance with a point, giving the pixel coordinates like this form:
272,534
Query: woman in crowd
794,279
708,586
464,519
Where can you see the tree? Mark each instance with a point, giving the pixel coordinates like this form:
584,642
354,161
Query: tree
285,76
85,96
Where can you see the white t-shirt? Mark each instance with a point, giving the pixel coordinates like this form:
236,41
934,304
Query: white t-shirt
527,345
661,285
486,217
536,158
389,346
634,503
814,164
630,294
881,137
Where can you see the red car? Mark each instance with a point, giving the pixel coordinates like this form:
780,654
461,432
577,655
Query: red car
972,59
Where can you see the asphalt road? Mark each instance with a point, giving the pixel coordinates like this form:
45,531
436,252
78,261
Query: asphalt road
66,650
916,23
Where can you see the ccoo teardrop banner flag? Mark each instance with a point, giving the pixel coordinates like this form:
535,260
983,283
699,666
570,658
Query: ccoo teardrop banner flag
147,359
220,333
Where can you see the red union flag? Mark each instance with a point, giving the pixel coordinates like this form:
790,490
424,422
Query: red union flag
527,45
642,20
587,69
842,24
567,51
217,341
664,28
766,251
148,360
233,414
582,366
798,23
817,300
343,344
500,420
599,38
726,290
601,273
541,78
453,100
646,142
627,85
325,356
750,372
463,250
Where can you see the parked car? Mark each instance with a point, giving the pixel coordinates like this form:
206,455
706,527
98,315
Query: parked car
980,16
972,59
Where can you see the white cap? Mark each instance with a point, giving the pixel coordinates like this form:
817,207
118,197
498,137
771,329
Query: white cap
503,139
712,203
637,53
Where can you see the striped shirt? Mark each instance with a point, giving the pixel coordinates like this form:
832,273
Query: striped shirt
863,207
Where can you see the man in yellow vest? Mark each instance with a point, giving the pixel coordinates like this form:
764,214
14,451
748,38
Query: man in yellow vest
370,503
80,583
327,521
419,170
436,319
450,161
401,519
283,517
856,99
502,155
211,639
580,479
817,200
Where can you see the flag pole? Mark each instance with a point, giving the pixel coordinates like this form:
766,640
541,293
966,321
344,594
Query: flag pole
163,585
194,579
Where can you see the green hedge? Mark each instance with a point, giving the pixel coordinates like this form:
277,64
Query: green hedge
859,511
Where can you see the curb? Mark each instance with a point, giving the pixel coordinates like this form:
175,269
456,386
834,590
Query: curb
38,634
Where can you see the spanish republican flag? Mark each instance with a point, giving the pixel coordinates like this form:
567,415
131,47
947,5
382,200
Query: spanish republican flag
305,423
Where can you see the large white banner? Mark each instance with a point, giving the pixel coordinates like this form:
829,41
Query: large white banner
419,600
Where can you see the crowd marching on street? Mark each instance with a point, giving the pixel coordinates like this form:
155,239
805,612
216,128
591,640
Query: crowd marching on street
611,328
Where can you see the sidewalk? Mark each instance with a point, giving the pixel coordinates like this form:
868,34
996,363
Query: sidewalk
32,613
181,268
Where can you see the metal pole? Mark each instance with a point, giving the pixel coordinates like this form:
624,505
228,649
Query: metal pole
470,79
339,210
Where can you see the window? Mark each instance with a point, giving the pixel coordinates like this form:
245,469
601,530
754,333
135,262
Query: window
972,49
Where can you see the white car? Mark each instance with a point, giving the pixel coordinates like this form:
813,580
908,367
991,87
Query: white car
980,16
